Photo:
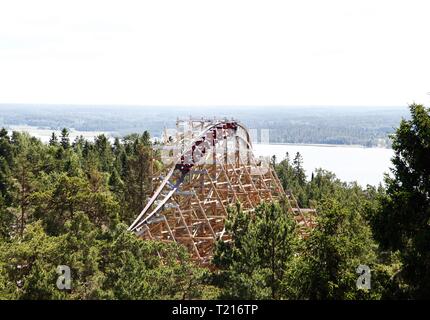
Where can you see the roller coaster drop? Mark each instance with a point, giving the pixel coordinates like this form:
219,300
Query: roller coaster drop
210,166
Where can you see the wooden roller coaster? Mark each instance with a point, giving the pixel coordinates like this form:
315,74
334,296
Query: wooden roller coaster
210,166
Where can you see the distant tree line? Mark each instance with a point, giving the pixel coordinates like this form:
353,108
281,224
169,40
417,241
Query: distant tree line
368,127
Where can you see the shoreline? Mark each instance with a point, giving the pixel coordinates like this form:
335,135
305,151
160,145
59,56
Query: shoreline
45,132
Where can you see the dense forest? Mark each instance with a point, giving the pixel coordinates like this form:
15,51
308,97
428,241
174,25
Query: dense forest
366,126
69,203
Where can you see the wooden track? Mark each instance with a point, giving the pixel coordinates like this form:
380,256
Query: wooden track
211,168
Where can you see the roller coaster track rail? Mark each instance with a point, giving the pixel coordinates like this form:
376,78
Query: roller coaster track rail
209,166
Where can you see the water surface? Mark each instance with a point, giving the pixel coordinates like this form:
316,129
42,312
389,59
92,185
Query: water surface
349,163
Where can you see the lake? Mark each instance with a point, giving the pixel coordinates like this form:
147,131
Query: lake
349,163
44,134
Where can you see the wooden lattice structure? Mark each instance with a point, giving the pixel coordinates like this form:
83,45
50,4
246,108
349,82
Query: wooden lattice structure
209,166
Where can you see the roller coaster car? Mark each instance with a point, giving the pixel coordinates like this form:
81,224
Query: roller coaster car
183,167
230,125
227,125
199,142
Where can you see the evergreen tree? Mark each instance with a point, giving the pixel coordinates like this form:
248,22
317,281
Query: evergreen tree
29,265
115,183
105,154
293,179
298,169
65,141
6,161
7,220
146,275
403,222
24,186
340,242
53,141
136,174
6,151
255,263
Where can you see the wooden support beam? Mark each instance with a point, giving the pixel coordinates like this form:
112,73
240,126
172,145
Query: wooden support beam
189,205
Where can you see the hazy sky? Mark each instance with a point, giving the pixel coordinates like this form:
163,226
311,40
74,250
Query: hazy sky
219,52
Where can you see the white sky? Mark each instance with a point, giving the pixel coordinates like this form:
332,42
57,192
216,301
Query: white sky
183,52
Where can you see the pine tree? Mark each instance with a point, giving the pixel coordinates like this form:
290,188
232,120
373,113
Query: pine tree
24,183
105,154
53,141
256,263
65,141
298,169
403,222
6,161
136,173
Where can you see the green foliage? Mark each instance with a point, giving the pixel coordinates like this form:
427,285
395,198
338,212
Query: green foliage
69,204
7,220
136,173
104,265
267,259
340,242
403,221
254,264
65,141
292,177
134,269
29,265
68,195
66,204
